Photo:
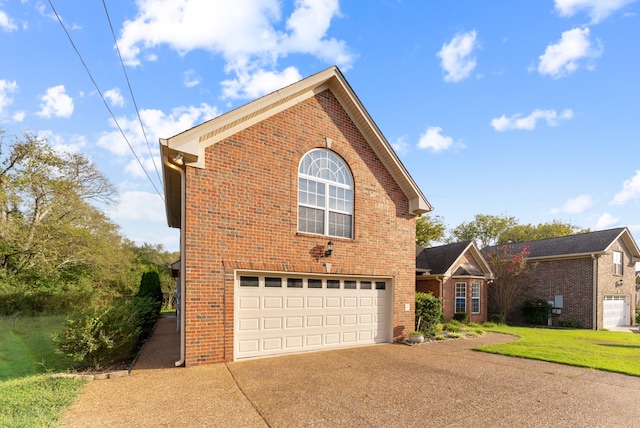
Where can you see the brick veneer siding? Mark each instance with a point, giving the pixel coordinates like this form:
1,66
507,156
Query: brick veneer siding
573,278
242,214
449,291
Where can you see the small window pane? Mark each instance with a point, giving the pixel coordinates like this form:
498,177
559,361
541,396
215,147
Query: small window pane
310,220
314,283
248,281
365,285
333,283
381,285
349,285
294,282
340,225
273,282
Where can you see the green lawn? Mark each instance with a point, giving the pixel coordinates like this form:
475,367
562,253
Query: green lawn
28,395
601,350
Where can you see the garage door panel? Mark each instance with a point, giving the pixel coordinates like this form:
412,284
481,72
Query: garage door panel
272,303
272,323
280,320
614,311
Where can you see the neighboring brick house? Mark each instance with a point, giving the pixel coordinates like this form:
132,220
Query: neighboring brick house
459,275
297,227
588,277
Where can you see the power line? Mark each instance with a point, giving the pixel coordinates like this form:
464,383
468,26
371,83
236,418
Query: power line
103,98
126,76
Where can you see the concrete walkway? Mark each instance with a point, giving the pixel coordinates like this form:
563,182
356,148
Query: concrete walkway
443,384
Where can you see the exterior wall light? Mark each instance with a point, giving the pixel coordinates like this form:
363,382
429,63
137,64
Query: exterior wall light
329,250
619,283
179,159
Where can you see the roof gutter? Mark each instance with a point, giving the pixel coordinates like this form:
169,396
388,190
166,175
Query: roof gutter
183,271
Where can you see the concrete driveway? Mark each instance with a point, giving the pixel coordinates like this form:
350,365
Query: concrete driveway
442,384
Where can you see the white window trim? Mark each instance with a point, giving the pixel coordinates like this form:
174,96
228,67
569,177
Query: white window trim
474,298
326,209
455,302
618,265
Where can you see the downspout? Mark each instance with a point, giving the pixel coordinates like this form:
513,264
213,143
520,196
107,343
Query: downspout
183,263
595,291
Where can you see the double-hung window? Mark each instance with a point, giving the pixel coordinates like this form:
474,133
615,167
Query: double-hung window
475,297
461,297
617,262
325,195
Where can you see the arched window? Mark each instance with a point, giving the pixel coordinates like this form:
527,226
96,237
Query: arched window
325,195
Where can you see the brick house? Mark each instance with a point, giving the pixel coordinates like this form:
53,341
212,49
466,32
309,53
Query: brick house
297,227
459,275
589,277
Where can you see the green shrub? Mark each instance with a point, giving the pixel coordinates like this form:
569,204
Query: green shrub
97,336
571,323
428,312
536,311
637,314
151,287
496,318
462,317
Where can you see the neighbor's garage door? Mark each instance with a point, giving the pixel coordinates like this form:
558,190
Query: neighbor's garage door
277,315
614,311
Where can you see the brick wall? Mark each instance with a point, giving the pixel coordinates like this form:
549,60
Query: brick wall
573,279
242,214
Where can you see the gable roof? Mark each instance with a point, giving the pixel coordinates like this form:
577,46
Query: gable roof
581,244
441,260
191,143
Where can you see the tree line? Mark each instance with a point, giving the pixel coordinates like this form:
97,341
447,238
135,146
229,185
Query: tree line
489,230
58,248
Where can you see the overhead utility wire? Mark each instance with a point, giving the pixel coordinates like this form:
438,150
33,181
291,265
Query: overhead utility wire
135,105
103,98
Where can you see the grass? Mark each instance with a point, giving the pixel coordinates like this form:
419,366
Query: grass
28,394
602,350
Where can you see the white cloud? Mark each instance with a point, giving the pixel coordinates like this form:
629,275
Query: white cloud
456,56
630,190
6,88
564,57
249,34
528,123
6,22
157,124
596,9
258,83
576,205
114,97
139,205
56,103
433,140
19,116
606,220
63,143
191,78
401,146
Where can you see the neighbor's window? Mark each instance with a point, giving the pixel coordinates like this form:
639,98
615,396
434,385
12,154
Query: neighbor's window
617,263
325,195
475,297
461,297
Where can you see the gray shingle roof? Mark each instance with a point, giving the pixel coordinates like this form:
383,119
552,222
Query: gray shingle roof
438,259
582,243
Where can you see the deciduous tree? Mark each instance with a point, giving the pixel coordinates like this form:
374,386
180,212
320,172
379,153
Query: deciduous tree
429,229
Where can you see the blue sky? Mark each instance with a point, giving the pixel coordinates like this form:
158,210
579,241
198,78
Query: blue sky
524,108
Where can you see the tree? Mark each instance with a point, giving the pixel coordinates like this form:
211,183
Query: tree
45,203
484,230
524,233
511,271
429,230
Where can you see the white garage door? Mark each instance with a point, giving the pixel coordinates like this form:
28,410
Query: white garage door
277,315
614,311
